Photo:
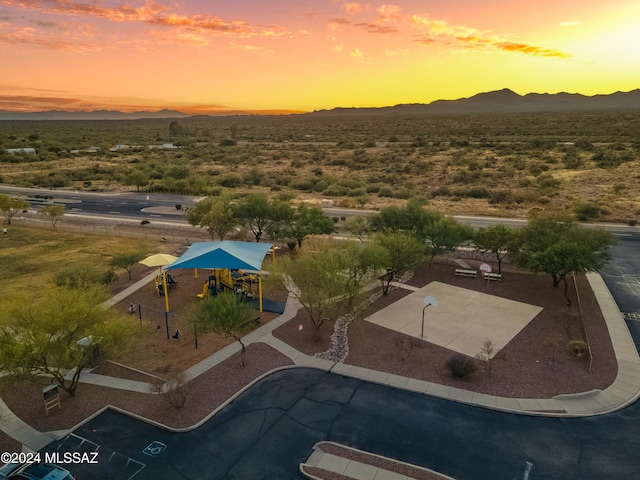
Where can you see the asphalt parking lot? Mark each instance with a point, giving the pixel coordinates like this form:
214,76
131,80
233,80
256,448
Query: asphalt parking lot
271,428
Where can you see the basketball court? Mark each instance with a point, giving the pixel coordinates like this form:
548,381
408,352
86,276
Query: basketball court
462,319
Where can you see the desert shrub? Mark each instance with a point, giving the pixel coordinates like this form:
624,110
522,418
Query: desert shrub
385,192
228,142
335,190
478,192
82,277
632,222
535,170
500,196
231,181
461,366
586,211
546,180
572,160
524,182
374,187
403,193
578,347
442,191
605,210
459,143
175,391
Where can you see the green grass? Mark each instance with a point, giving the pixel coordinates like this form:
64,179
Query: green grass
31,256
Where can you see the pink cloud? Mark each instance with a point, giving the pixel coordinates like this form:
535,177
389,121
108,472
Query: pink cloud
28,36
150,12
351,7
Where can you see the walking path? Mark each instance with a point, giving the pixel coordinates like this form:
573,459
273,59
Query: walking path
622,392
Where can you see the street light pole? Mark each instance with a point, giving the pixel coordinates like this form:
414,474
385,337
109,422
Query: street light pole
422,331
428,301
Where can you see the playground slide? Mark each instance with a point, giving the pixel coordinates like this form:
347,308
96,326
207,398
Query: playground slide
205,291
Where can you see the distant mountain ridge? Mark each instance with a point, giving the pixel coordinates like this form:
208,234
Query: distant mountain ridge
498,101
508,101
92,115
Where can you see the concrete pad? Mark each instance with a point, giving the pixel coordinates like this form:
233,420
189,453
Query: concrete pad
462,320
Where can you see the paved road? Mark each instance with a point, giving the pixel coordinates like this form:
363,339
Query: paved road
128,204
622,273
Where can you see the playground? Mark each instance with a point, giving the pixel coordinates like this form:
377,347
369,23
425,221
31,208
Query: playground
167,343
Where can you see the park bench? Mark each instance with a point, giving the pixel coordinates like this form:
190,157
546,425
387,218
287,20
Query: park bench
463,272
495,277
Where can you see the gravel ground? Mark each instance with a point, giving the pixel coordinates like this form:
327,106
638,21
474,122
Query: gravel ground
535,364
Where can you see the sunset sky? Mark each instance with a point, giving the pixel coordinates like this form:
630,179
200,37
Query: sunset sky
262,56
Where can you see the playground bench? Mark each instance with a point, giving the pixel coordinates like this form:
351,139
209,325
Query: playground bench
462,272
496,277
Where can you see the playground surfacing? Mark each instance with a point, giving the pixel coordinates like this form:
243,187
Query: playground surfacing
462,320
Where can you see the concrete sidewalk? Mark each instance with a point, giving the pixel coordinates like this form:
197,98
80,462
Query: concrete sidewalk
623,391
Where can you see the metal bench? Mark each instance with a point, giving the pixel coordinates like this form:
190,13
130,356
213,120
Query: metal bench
462,272
495,277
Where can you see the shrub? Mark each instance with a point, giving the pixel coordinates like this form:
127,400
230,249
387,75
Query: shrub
461,366
385,192
175,391
499,196
578,347
586,211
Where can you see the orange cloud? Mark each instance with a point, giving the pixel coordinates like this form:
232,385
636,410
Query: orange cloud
389,13
375,27
27,36
151,12
35,103
530,49
336,23
388,16
351,7
439,31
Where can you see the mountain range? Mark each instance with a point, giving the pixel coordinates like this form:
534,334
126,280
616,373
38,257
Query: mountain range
508,101
498,101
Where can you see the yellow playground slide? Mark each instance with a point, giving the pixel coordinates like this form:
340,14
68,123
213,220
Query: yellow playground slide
205,291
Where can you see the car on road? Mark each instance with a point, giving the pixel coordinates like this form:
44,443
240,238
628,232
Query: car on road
34,471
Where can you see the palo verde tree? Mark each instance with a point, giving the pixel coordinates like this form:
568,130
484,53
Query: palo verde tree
215,214
444,234
260,214
404,252
496,239
324,277
63,331
438,232
559,246
297,224
10,207
226,315
127,261
53,213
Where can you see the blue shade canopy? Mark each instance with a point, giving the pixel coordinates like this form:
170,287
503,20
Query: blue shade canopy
224,254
